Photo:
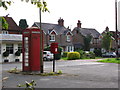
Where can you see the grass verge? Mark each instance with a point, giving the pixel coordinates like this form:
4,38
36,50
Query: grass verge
110,60
16,71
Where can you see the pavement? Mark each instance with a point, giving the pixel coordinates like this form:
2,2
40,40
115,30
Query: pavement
76,74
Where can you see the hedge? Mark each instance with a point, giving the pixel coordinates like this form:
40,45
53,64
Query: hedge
64,54
73,55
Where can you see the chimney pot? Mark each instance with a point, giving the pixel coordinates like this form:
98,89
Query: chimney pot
79,24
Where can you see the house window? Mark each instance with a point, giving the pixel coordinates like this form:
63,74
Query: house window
20,47
9,48
4,32
68,38
118,42
52,37
77,32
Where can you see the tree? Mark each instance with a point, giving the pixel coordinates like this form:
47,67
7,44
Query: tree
107,41
39,3
87,41
3,23
23,23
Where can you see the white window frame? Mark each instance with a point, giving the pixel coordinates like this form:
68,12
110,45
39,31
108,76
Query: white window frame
4,32
52,37
68,38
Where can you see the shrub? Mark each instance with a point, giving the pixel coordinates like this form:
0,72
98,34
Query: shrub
17,53
82,54
6,54
92,55
98,52
73,55
58,55
64,54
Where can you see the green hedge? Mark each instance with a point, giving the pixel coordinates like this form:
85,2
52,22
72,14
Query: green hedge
84,55
73,55
64,54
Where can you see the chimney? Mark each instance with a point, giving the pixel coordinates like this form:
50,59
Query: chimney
61,22
107,29
79,24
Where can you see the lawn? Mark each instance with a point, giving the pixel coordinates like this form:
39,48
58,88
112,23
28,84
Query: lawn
110,60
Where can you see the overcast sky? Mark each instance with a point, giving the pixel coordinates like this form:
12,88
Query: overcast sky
92,13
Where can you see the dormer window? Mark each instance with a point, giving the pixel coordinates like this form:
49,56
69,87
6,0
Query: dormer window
52,37
68,38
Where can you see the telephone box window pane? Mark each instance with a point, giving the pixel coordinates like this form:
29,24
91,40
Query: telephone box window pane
26,64
26,43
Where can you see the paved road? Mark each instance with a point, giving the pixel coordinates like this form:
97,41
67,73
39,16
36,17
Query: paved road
76,74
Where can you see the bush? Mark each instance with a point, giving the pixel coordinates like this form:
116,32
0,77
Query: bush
17,53
82,54
73,55
6,54
64,54
98,52
58,56
92,55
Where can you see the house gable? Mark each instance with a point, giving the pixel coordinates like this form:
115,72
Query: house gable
69,33
53,32
13,28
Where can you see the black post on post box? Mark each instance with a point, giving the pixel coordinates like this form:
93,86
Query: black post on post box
54,50
54,64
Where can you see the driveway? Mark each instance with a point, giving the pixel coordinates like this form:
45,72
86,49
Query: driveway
76,74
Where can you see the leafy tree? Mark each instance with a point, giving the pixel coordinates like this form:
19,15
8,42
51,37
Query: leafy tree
87,41
5,3
39,3
106,41
3,23
23,23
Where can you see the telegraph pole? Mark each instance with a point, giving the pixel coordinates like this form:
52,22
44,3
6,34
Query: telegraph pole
41,43
116,28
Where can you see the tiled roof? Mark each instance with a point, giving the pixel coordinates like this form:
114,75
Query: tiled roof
12,25
10,37
88,31
48,27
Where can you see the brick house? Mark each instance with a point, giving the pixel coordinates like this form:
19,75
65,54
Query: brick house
13,28
113,44
57,33
79,33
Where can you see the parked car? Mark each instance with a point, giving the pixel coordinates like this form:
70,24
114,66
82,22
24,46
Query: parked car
47,55
109,54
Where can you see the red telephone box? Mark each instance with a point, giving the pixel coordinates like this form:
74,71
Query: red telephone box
31,49
54,48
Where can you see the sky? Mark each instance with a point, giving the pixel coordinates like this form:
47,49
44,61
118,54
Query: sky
92,13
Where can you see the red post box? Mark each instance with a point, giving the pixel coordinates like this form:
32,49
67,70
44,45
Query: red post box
31,49
54,48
